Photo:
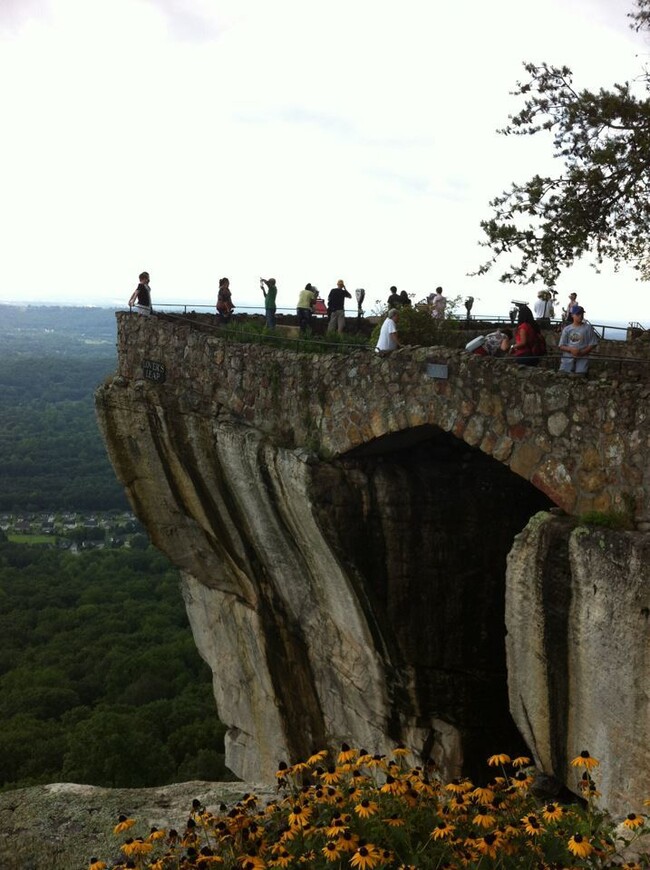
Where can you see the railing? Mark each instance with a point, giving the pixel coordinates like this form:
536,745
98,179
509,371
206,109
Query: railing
321,344
184,307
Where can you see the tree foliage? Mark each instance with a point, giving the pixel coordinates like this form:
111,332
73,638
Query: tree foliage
100,680
599,201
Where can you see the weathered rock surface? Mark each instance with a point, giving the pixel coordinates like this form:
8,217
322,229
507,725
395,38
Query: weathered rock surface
578,620
342,527
60,827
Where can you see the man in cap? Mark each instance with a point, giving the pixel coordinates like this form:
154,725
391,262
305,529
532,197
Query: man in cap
577,341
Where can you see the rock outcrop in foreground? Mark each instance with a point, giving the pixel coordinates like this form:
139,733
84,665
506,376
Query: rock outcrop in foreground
360,595
60,827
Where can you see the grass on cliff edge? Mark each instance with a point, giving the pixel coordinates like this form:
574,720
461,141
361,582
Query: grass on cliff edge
256,333
363,812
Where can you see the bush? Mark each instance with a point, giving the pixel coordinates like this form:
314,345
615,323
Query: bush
416,326
364,812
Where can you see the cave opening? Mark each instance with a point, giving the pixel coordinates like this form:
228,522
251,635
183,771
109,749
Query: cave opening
424,523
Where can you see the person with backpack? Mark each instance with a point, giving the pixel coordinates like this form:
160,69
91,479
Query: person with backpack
529,343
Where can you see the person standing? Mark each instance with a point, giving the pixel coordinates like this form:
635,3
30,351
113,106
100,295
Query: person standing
270,291
393,299
388,338
438,304
543,309
526,344
336,307
577,341
225,307
305,307
142,295
571,304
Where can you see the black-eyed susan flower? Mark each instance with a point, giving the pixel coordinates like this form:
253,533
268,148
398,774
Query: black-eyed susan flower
123,824
299,816
337,824
522,780
496,760
307,857
443,830
96,864
532,825
391,786
365,857
346,755
394,821
552,813
458,786
487,845
483,794
317,757
347,841
580,846
282,858
374,761
330,776
483,817
585,760
632,821
400,751
521,761
331,851
251,862
366,808
630,865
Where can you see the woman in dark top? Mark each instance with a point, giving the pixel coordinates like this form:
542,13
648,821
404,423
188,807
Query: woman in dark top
141,295
224,301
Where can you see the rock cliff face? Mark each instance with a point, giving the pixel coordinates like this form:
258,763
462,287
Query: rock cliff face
578,618
358,597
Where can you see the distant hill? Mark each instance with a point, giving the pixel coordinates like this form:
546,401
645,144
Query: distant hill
52,456
59,330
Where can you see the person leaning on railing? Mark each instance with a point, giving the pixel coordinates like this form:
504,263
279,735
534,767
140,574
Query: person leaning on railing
142,295
270,291
225,307
576,343
305,307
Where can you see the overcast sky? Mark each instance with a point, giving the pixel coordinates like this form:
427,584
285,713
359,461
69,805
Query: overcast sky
300,139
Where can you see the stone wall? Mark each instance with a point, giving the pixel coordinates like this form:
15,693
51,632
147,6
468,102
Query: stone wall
584,443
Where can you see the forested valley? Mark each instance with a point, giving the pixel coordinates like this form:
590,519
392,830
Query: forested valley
100,680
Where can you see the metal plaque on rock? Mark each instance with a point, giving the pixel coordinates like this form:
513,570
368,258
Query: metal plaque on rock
438,370
154,371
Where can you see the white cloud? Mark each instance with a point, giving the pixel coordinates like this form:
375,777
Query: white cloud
307,139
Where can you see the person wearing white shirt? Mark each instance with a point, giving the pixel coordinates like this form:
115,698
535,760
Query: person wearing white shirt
388,339
543,308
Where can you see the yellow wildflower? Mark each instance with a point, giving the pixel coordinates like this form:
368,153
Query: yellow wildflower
585,760
123,824
580,846
496,760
